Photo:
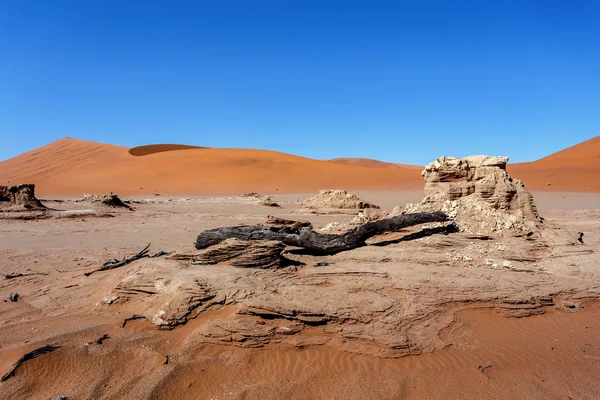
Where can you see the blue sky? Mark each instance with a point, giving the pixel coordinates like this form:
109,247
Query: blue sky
402,81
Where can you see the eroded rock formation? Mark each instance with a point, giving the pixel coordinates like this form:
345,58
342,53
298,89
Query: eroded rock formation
478,193
334,202
108,200
19,198
175,297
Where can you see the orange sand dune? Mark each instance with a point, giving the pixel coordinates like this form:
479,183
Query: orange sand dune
369,162
584,153
159,148
575,169
70,167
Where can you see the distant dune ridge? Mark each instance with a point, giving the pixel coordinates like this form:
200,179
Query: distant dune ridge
367,162
71,167
159,148
574,169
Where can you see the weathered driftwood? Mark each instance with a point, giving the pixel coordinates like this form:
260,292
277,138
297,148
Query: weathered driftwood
12,276
276,221
445,229
102,338
243,253
318,242
160,254
132,318
28,356
119,263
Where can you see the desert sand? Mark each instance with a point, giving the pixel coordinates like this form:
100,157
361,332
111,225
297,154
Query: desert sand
498,296
435,317
71,167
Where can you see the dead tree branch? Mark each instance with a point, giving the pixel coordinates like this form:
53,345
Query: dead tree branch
315,242
28,356
12,276
132,318
119,263
446,229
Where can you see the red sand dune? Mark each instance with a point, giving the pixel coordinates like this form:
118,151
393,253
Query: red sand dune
368,162
575,169
584,153
71,167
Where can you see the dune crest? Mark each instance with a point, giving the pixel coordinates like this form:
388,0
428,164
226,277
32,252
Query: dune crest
574,169
71,167
580,154
369,162
159,148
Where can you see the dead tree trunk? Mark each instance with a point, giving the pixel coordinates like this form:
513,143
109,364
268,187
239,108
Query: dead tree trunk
317,242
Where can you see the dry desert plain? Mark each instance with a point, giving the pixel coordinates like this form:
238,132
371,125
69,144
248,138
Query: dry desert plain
446,315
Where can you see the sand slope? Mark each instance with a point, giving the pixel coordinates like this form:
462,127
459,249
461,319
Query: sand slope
575,169
70,167
368,162
584,153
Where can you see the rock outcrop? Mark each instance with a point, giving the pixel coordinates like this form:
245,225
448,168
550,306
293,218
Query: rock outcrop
171,299
478,193
334,202
19,198
108,200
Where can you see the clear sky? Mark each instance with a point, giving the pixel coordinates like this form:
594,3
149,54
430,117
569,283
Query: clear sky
402,81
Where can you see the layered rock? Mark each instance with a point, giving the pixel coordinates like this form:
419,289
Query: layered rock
19,198
478,193
334,202
171,299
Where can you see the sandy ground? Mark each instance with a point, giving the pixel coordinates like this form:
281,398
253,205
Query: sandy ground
411,319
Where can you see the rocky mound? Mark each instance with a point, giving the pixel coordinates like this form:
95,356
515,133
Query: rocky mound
478,193
19,198
108,200
334,202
